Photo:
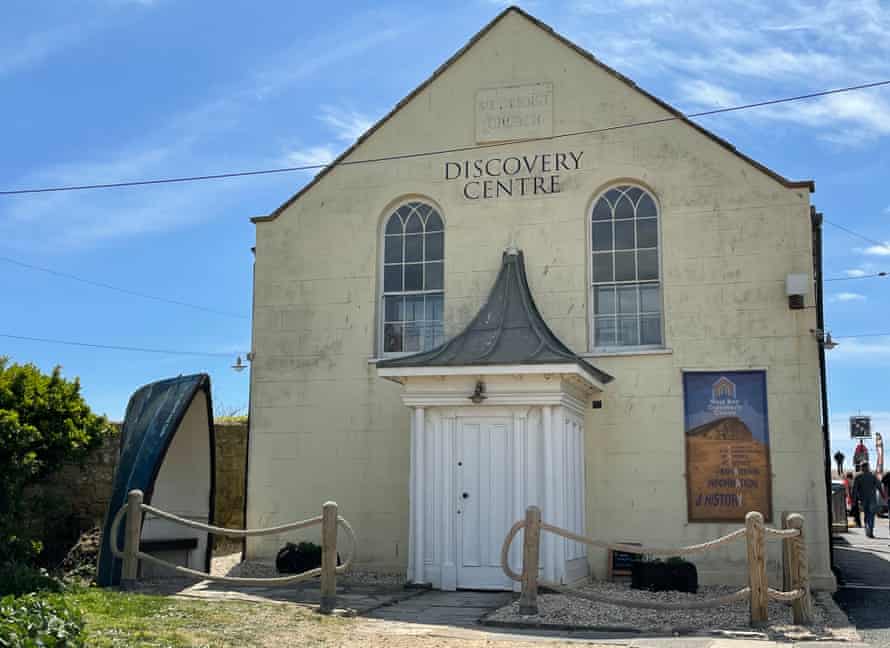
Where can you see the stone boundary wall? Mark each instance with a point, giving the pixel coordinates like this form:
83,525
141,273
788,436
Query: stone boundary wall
74,498
231,467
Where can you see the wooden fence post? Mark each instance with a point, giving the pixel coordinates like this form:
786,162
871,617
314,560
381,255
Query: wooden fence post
528,601
787,578
757,567
132,533
328,600
802,608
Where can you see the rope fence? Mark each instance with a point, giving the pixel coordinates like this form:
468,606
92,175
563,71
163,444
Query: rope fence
758,592
329,520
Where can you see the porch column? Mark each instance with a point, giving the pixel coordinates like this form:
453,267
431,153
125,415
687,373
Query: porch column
561,480
448,570
548,545
417,494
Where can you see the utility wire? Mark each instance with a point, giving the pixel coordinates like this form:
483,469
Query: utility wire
458,149
867,276
209,354
125,291
842,337
882,244
117,348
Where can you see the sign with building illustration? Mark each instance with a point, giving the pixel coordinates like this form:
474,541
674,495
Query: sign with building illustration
727,445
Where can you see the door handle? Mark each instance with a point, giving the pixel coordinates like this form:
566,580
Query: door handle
466,496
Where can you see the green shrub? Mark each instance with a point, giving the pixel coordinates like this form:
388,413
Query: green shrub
44,422
32,621
18,578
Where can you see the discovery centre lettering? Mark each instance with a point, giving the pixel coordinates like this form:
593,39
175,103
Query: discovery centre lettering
514,175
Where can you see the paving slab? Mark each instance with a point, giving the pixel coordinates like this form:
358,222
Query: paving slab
461,609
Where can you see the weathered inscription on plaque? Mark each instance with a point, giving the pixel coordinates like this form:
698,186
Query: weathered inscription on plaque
514,112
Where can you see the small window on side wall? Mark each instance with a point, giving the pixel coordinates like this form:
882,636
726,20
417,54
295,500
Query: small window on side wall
413,279
625,282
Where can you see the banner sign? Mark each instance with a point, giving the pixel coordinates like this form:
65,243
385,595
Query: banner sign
860,427
727,445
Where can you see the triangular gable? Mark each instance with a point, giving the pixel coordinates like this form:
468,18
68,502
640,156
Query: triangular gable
791,184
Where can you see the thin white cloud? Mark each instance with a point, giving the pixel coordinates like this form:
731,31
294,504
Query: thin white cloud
86,219
864,351
855,272
311,156
878,250
348,125
847,297
846,119
35,48
720,54
702,93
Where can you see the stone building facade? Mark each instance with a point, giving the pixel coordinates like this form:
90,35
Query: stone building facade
650,252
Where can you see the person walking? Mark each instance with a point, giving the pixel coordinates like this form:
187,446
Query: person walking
868,491
852,504
885,482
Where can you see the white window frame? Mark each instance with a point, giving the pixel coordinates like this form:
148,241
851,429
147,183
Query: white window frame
381,294
591,302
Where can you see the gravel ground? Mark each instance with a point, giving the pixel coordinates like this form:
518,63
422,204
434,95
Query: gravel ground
560,609
231,565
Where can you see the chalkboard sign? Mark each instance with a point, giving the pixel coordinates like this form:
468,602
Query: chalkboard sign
620,562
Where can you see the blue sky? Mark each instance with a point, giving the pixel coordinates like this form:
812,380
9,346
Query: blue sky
104,90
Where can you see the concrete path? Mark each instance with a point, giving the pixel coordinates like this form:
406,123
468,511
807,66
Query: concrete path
864,588
460,609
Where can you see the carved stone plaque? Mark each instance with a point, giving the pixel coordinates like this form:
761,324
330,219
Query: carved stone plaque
514,112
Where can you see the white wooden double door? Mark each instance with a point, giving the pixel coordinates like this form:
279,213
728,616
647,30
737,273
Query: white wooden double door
472,476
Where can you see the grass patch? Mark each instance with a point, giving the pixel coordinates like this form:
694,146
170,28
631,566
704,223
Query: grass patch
116,619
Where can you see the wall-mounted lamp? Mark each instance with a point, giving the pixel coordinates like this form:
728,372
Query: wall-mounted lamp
824,339
797,286
478,394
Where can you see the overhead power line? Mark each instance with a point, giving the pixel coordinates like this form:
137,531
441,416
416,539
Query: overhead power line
126,291
861,335
113,347
457,149
865,276
882,244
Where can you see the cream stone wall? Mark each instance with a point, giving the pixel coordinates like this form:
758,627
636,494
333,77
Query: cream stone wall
324,426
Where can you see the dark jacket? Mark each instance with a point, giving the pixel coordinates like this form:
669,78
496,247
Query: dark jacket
867,489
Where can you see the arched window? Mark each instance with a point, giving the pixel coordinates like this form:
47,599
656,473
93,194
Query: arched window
625,282
413,253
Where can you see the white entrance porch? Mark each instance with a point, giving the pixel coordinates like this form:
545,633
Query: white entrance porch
475,469
497,425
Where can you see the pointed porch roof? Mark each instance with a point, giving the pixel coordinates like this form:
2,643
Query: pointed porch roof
508,330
